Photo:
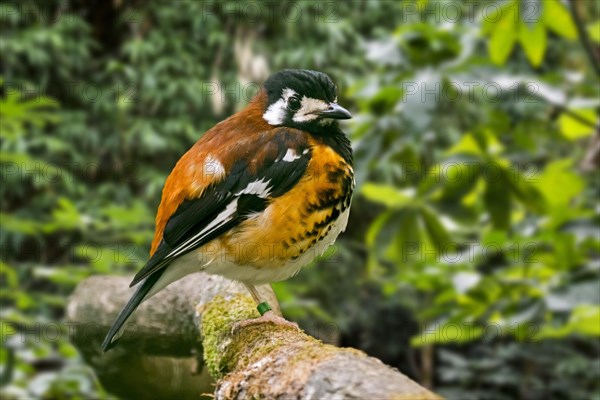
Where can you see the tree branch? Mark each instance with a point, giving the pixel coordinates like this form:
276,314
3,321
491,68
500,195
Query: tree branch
585,38
157,353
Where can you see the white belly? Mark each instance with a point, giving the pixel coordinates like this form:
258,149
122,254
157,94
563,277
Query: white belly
259,276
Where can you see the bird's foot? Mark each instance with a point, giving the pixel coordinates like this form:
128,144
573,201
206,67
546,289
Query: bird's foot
267,317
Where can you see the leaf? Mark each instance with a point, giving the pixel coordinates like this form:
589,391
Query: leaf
386,97
65,216
530,11
559,184
497,239
447,332
572,128
459,178
584,320
466,145
503,39
557,18
407,242
594,31
490,20
523,186
387,195
9,275
533,40
371,238
497,200
12,223
435,229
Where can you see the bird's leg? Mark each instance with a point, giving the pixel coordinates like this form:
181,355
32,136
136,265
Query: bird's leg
262,306
266,314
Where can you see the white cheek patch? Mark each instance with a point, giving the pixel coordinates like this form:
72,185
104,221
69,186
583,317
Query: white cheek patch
287,93
276,112
309,109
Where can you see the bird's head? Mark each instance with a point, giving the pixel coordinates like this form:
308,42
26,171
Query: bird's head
302,99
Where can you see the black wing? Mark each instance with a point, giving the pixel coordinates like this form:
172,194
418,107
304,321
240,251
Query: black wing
224,205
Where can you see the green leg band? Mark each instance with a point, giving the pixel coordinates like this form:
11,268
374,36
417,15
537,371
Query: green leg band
263,308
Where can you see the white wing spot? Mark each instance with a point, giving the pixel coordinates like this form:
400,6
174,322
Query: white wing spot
290,155
212,167
259,188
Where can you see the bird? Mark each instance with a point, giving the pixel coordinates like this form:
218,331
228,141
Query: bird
257,197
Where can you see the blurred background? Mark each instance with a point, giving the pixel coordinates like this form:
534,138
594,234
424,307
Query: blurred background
472,258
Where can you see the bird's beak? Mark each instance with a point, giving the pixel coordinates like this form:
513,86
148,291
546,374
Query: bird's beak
335,111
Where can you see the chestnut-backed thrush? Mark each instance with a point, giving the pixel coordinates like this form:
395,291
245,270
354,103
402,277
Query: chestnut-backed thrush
260,195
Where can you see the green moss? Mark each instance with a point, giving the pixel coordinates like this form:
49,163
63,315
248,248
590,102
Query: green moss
218,319
225,351
249,348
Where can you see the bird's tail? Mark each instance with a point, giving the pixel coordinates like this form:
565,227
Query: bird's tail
116,330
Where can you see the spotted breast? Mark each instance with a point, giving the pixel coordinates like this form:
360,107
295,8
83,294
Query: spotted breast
274,245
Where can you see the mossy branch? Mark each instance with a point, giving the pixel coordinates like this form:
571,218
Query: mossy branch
256,361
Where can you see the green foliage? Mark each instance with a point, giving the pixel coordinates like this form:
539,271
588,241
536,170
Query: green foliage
528,23
492,236
470,212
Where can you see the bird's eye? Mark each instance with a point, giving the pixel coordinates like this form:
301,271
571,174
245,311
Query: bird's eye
294,104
